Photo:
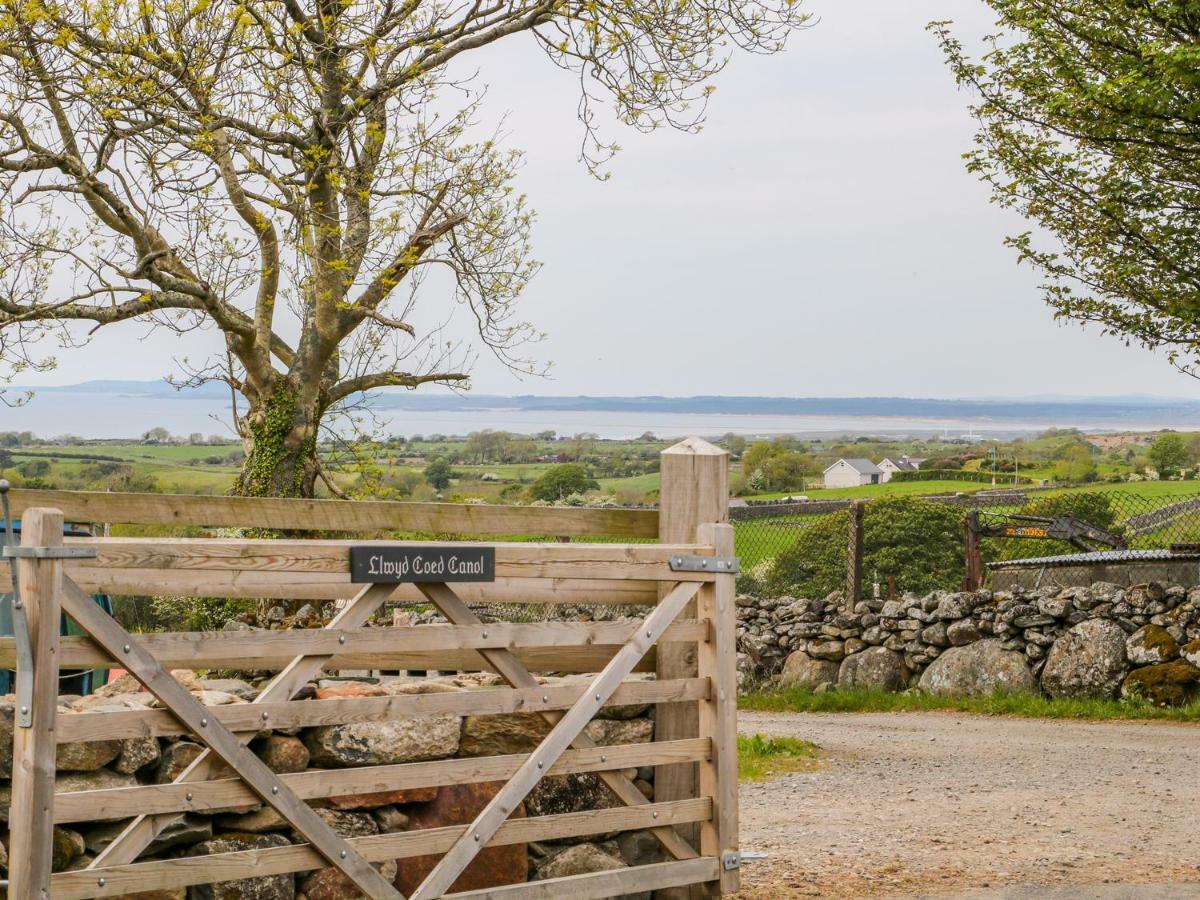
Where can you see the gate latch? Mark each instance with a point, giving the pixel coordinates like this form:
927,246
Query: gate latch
723,565
18,552
731,859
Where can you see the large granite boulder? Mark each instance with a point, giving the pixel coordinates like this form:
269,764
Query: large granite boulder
1086,662
978,670
458,805
875,668
803,671
1167,684
384,743
1150,645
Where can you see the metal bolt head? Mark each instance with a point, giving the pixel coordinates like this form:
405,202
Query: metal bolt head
477,837
189,796
603,758
265,715
126,648
204,723
274,789
541,765
485,634
545,698
342,854
24,710
102,881
341,639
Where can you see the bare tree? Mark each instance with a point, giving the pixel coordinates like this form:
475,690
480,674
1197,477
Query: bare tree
297,174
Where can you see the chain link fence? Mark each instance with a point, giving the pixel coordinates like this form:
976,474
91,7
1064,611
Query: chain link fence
1024,537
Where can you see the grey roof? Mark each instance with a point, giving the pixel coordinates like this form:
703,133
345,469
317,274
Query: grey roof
862,466
904,465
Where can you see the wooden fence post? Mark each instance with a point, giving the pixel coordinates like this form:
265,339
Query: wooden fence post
31,817
694,491
854,556
718,715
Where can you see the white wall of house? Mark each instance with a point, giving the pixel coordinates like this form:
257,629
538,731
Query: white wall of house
841,474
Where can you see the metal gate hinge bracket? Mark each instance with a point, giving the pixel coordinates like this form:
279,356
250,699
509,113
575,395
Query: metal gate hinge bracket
723,565
730,860
19,552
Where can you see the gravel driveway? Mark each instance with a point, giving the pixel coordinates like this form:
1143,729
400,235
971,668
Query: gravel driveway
937,804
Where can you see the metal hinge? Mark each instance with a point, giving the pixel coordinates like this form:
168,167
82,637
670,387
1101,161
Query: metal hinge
722,564
731,859
18,552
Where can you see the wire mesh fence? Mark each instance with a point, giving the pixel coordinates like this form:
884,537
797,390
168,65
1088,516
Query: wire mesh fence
1126,535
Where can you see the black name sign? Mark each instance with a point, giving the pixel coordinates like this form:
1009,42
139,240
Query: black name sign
415,565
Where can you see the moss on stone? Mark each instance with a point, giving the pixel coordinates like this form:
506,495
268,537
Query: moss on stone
1165,684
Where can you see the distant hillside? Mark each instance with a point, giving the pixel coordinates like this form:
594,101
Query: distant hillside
1118,411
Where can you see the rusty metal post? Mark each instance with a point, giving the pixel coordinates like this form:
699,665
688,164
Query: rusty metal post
854,555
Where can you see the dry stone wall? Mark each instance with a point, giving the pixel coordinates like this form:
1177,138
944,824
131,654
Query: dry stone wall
1098,641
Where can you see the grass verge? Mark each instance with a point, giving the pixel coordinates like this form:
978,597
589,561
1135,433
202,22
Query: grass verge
761,757
1027,706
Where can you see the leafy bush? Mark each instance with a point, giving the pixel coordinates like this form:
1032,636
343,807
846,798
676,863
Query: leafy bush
916,541
562,481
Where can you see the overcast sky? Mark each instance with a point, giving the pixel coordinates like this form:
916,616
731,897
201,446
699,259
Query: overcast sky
820,237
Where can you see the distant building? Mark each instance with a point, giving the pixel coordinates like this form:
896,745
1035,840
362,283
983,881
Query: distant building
853,473
890,466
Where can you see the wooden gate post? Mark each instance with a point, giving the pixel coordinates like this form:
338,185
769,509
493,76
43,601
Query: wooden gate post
854,556
694,491
31,816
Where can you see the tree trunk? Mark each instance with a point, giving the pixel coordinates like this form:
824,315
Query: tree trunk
279,434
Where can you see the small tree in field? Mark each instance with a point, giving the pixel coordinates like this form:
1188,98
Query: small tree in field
1169,454
562,481
291,174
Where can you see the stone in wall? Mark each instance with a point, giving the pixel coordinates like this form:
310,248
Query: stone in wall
978,670
1088,661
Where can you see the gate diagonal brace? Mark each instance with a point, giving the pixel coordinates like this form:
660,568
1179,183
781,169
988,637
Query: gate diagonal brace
142,830
561,736
512,670
230,748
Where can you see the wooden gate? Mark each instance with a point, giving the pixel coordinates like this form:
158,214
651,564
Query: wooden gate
688,586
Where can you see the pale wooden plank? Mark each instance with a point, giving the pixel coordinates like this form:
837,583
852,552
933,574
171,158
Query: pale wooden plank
226,793
493,815
117,725
635,880
223,743
513,670
184,871
31,817
335,586
513,560
718,715
339,515
694,490
142,830
275,649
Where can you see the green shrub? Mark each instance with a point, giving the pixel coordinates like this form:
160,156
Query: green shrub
917,542
561,482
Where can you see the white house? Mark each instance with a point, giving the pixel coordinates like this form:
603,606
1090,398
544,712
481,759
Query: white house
890,466
852,473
